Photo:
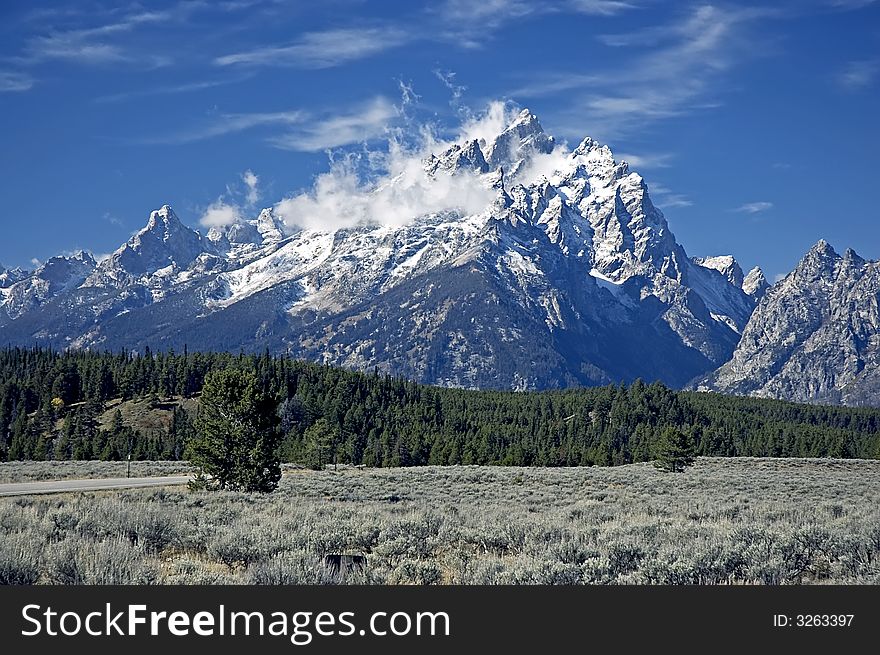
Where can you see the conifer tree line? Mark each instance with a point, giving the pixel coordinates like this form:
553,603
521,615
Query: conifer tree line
50,403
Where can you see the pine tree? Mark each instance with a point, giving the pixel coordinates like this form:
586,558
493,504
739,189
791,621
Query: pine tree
318,442
674,450
236,440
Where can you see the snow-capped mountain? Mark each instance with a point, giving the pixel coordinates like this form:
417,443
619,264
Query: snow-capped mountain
24,292
163,249
9,276
568,275
815,335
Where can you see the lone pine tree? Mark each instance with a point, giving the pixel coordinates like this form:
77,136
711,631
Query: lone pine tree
236,441
674,450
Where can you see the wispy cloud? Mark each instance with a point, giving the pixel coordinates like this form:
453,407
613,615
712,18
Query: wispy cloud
359,124
251,181
551,83
859,74
224,124
754,207
665,197
647,160
601,7
11,82
189,87
101,44
667,70
471,24
325,49
448,79
492,14
112,219
851,4
488,13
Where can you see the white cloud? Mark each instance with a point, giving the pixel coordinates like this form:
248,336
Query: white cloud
251,181
340,199
674,200
326,49
647,160
219,214
363,123
390,187
859,74
663,196
778,277
754,207
11,82
497,116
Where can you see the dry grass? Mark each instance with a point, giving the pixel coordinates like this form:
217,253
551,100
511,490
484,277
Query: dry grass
724,521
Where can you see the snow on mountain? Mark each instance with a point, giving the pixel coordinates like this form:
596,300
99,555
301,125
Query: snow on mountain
565,255
814,336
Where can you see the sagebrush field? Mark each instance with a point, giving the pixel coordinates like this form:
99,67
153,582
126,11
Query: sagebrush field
723,521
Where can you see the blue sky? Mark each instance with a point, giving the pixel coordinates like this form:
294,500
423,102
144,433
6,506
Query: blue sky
754,125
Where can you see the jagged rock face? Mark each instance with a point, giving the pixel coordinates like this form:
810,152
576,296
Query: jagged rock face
755,284
815,335
569,276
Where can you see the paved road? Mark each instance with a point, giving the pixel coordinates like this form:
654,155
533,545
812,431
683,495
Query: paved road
63,486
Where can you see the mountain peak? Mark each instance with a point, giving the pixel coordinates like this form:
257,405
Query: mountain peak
724,264
522,138
164,216
852,258
526,118
755,283
822,247
269,226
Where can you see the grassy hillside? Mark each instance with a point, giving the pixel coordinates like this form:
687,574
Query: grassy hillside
145,415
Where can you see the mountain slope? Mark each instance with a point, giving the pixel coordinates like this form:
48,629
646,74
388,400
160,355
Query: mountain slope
815,335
